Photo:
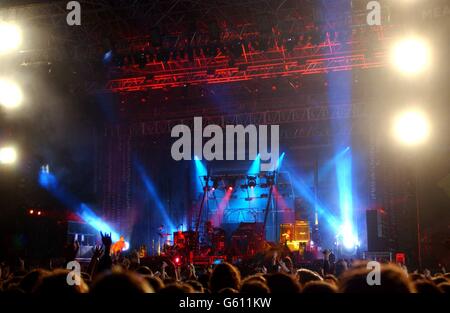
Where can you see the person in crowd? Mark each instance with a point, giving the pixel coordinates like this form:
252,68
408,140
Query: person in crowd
444,287
426,286
55,283
32,279
177,288
144,270
282,283
254,287
124,283
331,279
155,282
393,279
227,291
118,246
305,276
319,287
439,279
223,276
122,274
198,288
340,267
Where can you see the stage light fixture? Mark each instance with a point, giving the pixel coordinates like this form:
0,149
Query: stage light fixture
31,212
347,237
270,179
8,155
10,37
10,94
411,55
411,127
251,181
215,183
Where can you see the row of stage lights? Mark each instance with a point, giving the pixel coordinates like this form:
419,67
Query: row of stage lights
411,56
230,183
11,96
35,212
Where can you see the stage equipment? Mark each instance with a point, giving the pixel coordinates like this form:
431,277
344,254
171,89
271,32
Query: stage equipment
301,231
377,230
8,155
191,238
11,37
286,232
218,241
411,127
411,56
85,235
248,239
10,94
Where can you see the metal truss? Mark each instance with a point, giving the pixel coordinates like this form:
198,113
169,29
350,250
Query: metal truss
271,69
128,26
306,121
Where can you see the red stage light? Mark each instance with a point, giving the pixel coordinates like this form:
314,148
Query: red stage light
39,213
31,211
177,260
230,188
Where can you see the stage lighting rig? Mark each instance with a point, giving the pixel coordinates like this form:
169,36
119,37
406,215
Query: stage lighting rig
251,181
10,94
215,182
411,127
10,37
411,55
8,155
270,179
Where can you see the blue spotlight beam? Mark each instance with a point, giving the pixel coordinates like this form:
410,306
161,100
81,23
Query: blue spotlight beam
340,89
49,181
344,179
97,223
328,166
200,172
149,185
255,167
306,192
279,162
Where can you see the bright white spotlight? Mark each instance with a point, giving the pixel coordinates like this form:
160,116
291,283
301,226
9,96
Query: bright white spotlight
8,155
10,94
347,237
10,37
411,127
411,55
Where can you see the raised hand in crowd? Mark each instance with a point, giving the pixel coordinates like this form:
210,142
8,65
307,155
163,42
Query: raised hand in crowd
105,262
71,251
97,252
106,240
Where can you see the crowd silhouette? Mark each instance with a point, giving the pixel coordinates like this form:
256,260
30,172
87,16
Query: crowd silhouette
108,274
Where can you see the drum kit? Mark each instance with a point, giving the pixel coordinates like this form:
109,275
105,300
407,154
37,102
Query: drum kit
185,242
